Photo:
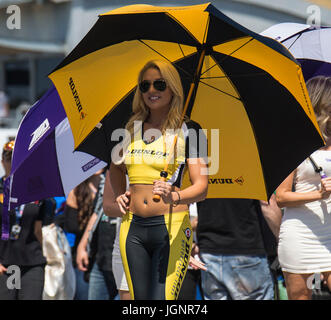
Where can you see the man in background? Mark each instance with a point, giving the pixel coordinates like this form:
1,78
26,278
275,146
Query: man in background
231,244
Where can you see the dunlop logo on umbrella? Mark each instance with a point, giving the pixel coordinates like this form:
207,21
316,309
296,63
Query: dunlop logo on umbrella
77,100
240,180
187,233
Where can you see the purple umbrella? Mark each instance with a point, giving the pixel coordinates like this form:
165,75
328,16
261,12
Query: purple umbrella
44,164
310,45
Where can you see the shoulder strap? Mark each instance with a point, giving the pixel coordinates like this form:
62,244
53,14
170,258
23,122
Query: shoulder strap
316,168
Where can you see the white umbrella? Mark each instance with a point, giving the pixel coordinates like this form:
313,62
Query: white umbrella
310,45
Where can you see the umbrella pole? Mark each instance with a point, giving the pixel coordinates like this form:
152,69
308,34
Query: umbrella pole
164,172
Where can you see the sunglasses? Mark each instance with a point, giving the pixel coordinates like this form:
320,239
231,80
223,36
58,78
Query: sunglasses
9,146
159,85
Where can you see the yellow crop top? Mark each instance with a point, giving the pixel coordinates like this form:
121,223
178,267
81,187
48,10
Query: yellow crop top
144,161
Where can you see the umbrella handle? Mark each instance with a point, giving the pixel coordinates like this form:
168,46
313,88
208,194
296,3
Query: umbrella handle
163,174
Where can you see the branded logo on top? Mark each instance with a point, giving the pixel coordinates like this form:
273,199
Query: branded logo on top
82,114
240,180
39,133
187,232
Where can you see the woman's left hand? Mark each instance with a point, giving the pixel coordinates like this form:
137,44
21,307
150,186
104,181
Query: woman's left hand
163,189
196,265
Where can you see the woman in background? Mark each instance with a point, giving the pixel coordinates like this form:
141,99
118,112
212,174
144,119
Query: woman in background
78,210
305,238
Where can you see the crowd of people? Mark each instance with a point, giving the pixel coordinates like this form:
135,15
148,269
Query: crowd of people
139,235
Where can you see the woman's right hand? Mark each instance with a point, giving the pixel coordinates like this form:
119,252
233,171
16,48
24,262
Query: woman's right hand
2,269
325,187
123,201
82,259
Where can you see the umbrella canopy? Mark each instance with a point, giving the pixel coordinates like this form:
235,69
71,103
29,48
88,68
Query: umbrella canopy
43,162
248,91
310,45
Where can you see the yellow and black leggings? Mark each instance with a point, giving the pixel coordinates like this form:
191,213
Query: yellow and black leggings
155,253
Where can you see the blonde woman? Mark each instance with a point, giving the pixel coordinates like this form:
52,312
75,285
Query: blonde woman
305,237
156,236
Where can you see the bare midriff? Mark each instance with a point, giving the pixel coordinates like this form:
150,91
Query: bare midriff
143,205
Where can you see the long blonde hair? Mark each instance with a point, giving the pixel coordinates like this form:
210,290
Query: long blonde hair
139,108
319,89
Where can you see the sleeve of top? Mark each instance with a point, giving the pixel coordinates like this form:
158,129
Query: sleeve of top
196,145
71,220
41,212
47,209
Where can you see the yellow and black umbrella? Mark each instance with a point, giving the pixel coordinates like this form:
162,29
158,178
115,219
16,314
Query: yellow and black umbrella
246,90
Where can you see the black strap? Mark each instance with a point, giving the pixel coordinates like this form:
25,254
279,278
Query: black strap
316,168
